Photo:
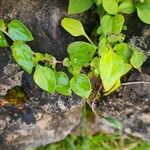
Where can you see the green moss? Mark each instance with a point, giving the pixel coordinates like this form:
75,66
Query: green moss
16,96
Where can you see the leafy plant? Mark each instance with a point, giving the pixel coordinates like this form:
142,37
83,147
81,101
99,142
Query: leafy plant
108,59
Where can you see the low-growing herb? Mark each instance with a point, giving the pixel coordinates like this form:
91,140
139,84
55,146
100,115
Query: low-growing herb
109,59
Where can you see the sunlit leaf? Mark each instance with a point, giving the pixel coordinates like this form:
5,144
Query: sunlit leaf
116,86
73,26
111,69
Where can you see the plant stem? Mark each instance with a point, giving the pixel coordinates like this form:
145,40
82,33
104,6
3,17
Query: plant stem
89,40
46,59
138,82
34,53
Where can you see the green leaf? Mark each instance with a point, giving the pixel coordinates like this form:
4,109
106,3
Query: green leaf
78,6
112,24
123,50
80,53
137,59
143,11
18,31
115,123
81,85
111,69
111,6
73,26
45,78
2,25
62,85
23,55
127,7
3,41
103,46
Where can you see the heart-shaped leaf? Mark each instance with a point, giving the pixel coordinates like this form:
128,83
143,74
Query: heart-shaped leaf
81,85
81,53
45,78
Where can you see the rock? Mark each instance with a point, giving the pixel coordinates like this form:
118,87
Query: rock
37,125
10,74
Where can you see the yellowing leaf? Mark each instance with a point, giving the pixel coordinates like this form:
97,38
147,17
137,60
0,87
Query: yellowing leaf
127,68
111,68
111,6
115,87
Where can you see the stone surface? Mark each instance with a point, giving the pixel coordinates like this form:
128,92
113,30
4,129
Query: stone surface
37,125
